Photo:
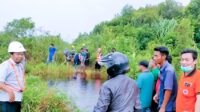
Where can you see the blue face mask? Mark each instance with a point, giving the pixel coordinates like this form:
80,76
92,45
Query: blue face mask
186,69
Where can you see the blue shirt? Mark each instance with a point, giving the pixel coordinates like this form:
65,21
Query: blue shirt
52,51
168,81
84,54
76,58
145,82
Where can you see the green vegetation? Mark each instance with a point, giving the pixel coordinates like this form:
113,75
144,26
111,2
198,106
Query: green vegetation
133,32
39,98
137,32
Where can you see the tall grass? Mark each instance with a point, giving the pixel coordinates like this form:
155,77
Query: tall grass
50,71
39,98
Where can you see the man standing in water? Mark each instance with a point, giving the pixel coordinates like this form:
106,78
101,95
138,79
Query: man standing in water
168,81
119,93
12,79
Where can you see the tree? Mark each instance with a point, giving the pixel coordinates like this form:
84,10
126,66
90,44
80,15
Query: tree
143,16
170,9
163,26
144,35
193,8
197,32
127,10
20,27
184,36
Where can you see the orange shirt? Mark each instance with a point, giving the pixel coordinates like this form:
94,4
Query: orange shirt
188,88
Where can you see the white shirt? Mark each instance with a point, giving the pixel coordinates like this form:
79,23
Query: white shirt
8,76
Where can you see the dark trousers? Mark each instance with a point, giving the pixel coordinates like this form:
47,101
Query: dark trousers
10,107
97,66
154,105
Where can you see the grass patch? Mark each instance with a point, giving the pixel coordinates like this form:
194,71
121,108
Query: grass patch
50,71
39,98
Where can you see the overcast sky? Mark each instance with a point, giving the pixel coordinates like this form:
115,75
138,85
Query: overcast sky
67,17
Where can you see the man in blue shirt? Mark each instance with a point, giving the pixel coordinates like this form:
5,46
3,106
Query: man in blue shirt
145,83
52,51
168,80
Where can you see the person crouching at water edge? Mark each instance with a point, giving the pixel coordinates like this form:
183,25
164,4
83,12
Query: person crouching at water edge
120,93
12,79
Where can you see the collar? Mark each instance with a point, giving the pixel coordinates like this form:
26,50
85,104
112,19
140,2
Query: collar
164,66
13,62
191,73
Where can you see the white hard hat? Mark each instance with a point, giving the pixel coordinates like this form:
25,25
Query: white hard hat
16,46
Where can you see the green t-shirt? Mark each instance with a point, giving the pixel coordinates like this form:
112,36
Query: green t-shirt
145,83
155,73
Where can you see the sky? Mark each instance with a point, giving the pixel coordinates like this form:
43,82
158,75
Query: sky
67,17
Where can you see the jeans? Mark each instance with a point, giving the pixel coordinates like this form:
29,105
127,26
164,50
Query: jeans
10,107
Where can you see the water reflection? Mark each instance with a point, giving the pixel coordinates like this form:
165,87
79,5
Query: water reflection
83,89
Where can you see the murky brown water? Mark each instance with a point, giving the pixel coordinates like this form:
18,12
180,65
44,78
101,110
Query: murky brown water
83,90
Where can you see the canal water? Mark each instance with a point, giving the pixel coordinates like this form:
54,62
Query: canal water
81,89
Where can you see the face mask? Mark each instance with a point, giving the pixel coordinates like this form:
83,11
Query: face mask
186,69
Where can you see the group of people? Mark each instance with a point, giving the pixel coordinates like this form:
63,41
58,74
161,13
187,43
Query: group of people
81,58
156,88
157,81
77,58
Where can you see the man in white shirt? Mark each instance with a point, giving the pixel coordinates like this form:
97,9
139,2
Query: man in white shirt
12,79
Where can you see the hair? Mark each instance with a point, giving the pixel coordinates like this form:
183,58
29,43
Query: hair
114,49
52,44
193,52
164,51
11,53
169,59
144,63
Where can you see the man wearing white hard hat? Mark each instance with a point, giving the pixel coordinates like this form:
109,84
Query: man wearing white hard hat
12,79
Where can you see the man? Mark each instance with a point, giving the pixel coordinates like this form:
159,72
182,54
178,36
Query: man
67,55
168,81
87,60
73,52
83,58
188,98
119,93
12,79
145,82
98,58
52,51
